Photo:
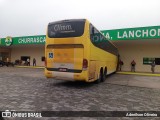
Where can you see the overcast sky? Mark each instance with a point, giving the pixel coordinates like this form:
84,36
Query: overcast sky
31,17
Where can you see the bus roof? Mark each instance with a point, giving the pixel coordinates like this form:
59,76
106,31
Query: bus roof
67,20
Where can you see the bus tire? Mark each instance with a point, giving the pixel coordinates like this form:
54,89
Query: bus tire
100,79
104,75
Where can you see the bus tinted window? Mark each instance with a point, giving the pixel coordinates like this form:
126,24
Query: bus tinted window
101,41
65,29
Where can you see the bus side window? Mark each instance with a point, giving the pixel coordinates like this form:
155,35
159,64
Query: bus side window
92,30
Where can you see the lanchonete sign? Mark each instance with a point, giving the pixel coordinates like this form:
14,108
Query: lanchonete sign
141,33
152,32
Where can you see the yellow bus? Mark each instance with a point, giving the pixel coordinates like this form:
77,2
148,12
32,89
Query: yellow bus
75,50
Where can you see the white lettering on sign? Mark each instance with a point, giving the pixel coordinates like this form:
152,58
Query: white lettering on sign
131,33
138,33
152,32
31,40
60,27
125,34
145,33
118,36
158,32
108,36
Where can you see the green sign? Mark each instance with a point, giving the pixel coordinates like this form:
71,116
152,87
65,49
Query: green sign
8,41
31,40
152,32
23,40
148,61
2,41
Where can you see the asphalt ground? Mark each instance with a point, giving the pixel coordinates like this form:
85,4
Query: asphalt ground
26,89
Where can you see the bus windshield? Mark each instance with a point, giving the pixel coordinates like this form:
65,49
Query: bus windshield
68,28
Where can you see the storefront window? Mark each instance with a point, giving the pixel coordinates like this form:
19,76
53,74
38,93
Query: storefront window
42,58
24,58
157,61
4,56
148,61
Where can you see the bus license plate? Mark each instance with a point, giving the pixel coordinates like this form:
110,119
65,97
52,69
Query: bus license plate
63,69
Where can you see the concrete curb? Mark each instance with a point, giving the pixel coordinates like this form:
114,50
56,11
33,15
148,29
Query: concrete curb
36,67
142,74
127,73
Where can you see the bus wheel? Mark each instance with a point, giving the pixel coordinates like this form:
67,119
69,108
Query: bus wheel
100,79
104,75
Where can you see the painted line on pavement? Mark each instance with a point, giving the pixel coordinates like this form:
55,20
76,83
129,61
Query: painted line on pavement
135,73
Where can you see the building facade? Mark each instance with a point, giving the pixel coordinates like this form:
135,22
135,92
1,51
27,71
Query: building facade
139,44
23,48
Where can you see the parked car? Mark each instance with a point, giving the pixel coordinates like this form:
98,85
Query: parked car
2,63
10,64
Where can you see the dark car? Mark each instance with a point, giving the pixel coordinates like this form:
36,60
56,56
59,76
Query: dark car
2,63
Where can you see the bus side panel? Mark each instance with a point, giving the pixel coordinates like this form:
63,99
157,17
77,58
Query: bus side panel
103,59
92,69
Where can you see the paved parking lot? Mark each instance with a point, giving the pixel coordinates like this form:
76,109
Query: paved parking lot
25,89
